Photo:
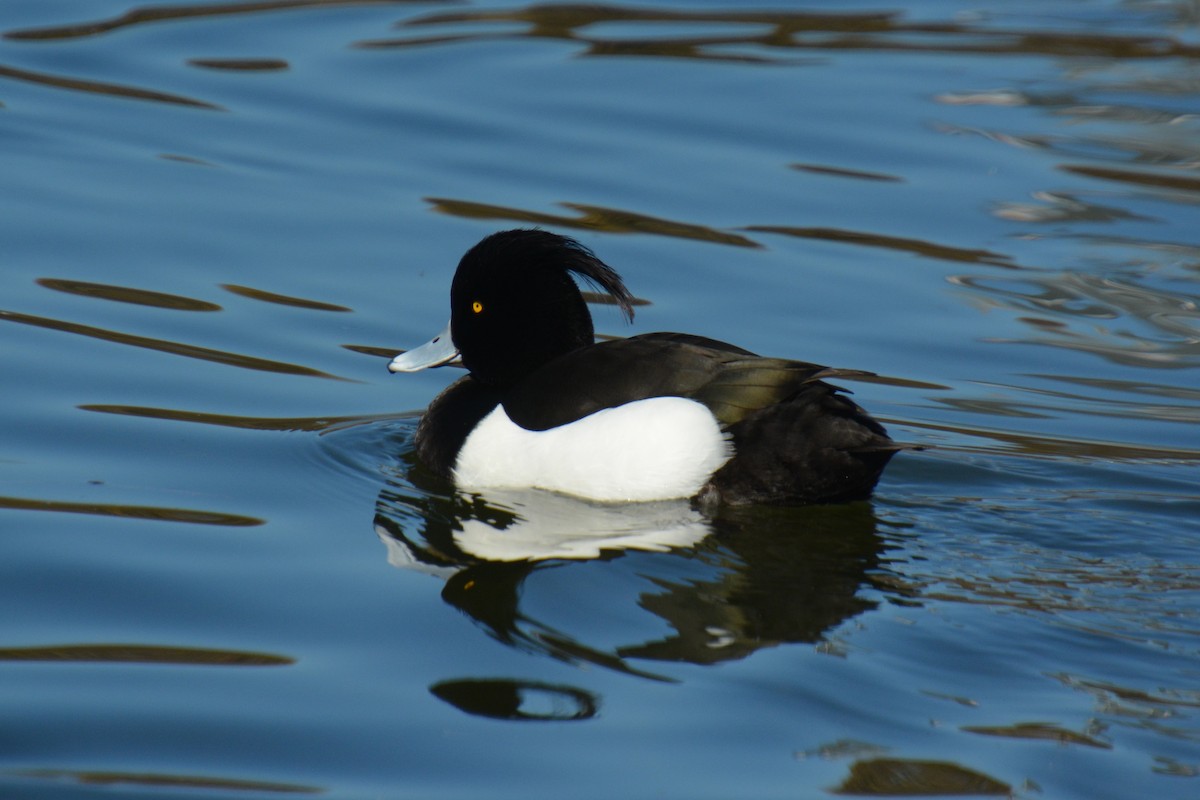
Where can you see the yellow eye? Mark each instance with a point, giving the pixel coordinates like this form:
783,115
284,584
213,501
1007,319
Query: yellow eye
477,306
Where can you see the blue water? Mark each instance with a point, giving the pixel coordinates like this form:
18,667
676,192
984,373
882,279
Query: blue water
221,576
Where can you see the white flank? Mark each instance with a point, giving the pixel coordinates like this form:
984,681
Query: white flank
655,449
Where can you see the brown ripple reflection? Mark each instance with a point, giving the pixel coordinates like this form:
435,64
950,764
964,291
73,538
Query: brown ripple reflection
882,777
373,350
1159,180
125,294
241,64
182,159
160,513
143,654
145,780
916,246
101,87
842,172
281,299
553,21
312,424
1105,693
1038,731
151,14
594,218
1013,443
769,33
1141,710
165,346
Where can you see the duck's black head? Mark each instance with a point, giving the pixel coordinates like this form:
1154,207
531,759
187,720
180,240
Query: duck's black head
514,305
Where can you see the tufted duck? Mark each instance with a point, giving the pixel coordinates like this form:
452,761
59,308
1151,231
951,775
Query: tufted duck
651,417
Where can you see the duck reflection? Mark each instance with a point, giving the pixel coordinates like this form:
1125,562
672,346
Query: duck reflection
723,585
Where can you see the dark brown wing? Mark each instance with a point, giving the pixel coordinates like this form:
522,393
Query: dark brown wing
730,381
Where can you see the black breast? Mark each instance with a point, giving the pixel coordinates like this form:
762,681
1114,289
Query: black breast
451,417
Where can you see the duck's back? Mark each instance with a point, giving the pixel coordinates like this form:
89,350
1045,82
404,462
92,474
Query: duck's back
815,447
727,379
796,438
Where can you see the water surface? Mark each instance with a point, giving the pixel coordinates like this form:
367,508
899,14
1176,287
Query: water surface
225,576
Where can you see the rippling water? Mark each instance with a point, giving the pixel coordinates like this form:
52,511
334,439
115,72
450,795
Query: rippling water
224,576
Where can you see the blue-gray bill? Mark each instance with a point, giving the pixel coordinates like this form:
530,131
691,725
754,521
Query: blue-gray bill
437,352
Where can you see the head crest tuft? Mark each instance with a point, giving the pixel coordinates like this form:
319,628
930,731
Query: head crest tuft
546,249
